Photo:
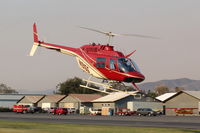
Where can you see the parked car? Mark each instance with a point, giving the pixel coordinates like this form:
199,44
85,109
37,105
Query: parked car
146,111
125,111
71,110
34,110
49,110
60,111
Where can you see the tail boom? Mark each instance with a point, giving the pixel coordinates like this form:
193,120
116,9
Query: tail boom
59,48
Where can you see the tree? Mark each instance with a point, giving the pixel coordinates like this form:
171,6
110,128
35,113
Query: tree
178,89
162,89
73,86
4,89
151,94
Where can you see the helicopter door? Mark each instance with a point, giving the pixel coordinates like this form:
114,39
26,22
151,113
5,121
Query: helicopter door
112,64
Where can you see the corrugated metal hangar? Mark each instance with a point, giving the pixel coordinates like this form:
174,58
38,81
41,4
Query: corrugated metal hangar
181,103
119,100
30,100
50,101
8,100
77,100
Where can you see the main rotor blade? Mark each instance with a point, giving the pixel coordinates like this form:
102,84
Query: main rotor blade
93,30
111,34
138,35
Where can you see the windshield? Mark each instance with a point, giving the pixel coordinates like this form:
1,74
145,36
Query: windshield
126,65
136,66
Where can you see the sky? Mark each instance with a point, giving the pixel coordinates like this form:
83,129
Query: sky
174,55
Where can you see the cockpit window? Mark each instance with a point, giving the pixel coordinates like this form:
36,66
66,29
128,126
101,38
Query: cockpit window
126,65
100,62
112,64
101,59
136,66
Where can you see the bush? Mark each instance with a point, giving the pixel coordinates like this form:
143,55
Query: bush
2,109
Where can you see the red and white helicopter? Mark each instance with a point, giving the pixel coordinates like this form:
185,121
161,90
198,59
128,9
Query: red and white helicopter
100,61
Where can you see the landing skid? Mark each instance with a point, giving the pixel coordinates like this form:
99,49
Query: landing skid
105,87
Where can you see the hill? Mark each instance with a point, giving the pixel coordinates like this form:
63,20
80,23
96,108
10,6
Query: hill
187,84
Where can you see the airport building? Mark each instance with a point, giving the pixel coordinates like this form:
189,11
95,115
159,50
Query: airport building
77,100
181,103
8,100
30,100
118,100
50,101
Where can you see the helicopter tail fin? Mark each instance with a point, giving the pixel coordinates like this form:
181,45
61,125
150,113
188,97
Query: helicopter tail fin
36,41
35,35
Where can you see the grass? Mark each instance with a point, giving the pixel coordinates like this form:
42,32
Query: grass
32,127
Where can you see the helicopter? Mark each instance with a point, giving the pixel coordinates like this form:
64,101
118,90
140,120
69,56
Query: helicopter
98,60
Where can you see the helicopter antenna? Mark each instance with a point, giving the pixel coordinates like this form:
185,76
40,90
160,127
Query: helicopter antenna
111,34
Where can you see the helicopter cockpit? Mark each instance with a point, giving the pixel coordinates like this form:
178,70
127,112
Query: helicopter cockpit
127,65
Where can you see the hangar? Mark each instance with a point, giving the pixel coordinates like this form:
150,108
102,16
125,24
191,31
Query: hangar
188,100
117,100
77,100
30,100
8,100
50,101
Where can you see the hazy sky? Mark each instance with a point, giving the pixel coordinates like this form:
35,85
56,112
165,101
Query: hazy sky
175,55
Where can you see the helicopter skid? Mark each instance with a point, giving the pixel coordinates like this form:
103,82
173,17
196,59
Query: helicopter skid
105,88
84,86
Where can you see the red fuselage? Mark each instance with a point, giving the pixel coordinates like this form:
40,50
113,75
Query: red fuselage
112,64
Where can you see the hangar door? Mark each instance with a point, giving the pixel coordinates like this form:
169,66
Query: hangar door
46,105
68,105
199,106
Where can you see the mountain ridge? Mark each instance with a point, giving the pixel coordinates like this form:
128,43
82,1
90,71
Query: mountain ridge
186,83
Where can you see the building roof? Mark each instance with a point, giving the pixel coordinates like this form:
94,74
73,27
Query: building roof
53,98
86,97
165,96
195,94
112,97
14,96
32,99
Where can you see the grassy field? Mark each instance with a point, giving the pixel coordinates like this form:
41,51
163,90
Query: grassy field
31,127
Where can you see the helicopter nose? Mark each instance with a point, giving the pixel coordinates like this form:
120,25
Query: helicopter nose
134,77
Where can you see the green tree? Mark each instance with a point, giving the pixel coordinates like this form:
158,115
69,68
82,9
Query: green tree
161,89
4,89
151,94
73,86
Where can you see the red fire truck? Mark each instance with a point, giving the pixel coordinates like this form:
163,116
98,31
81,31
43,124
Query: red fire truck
21,108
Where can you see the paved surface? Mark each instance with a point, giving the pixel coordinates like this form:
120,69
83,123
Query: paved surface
185,122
